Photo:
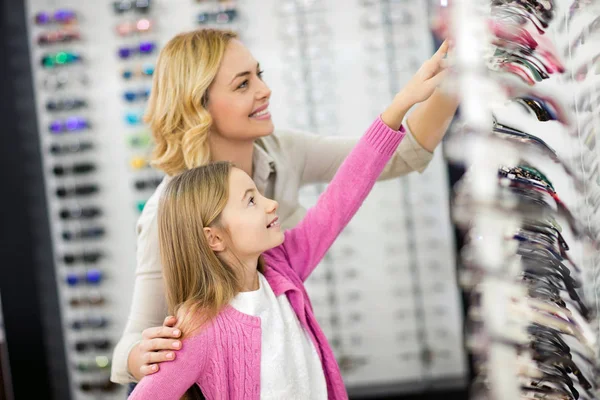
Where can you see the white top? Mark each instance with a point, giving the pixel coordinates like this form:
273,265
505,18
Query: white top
290,367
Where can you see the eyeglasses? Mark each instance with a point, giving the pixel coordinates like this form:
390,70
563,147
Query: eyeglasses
138,95
144,48
92,276
123,6
142,71
60,59
65,35
61,16
71,124
65,104
128,28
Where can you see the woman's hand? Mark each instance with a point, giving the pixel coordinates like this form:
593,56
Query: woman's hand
418,89
158,345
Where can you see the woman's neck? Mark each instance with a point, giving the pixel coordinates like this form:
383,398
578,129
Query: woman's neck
236,151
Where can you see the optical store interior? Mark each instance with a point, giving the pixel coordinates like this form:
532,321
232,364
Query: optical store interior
300,199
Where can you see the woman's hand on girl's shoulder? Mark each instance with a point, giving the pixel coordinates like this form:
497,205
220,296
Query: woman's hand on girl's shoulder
159,344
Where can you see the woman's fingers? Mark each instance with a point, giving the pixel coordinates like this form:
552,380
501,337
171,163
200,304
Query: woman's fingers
170,321
160,332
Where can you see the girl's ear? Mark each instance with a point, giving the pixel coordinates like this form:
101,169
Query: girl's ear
214,239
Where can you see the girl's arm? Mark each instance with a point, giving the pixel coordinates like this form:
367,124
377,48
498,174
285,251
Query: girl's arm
307,243
176,377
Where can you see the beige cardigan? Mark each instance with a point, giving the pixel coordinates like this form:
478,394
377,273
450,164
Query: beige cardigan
283,162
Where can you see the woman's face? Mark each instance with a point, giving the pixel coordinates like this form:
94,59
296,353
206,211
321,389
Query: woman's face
238,99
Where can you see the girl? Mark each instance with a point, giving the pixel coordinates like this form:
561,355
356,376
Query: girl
209,103
235,278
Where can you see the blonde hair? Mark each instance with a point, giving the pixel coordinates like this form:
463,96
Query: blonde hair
197,281
176,112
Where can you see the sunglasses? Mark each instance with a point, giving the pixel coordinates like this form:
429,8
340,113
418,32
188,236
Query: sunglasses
66,149
86,257
63,79
90,300
140,205
68,214
70,124
76,191
60,59
84,234
99,363
220,17
139,95
65,35
101,344
75,169
144,48
142,139
89,323
123,6
92,276
60,16
129,28
147,184
104,387
134,117
65,104
142,71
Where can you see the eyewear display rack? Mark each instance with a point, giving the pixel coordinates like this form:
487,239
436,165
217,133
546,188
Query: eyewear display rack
527,202
386,295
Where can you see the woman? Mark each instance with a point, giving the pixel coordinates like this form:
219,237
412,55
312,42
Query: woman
209,103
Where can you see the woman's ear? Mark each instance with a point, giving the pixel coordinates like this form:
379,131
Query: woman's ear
214,239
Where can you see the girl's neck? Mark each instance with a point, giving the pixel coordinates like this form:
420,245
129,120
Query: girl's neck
236,151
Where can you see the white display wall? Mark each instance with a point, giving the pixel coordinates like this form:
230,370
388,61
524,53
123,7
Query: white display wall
386,295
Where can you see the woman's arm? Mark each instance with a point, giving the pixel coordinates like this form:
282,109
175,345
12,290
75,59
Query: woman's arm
317,158
430,120
144,336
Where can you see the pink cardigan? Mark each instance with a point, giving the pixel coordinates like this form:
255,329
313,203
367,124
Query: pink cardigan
224,359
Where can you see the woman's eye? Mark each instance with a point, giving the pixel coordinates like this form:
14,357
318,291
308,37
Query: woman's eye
251,201
243,84
260,74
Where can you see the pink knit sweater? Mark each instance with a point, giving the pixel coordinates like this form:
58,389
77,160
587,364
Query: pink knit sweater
224,359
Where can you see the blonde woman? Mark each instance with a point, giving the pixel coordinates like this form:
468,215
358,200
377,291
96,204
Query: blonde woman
236,279
209,103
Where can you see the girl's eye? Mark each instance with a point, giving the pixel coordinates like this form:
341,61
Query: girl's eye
251,201
260,74
243,84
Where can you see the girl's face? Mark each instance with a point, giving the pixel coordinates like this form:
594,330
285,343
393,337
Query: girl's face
238,99
250,218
